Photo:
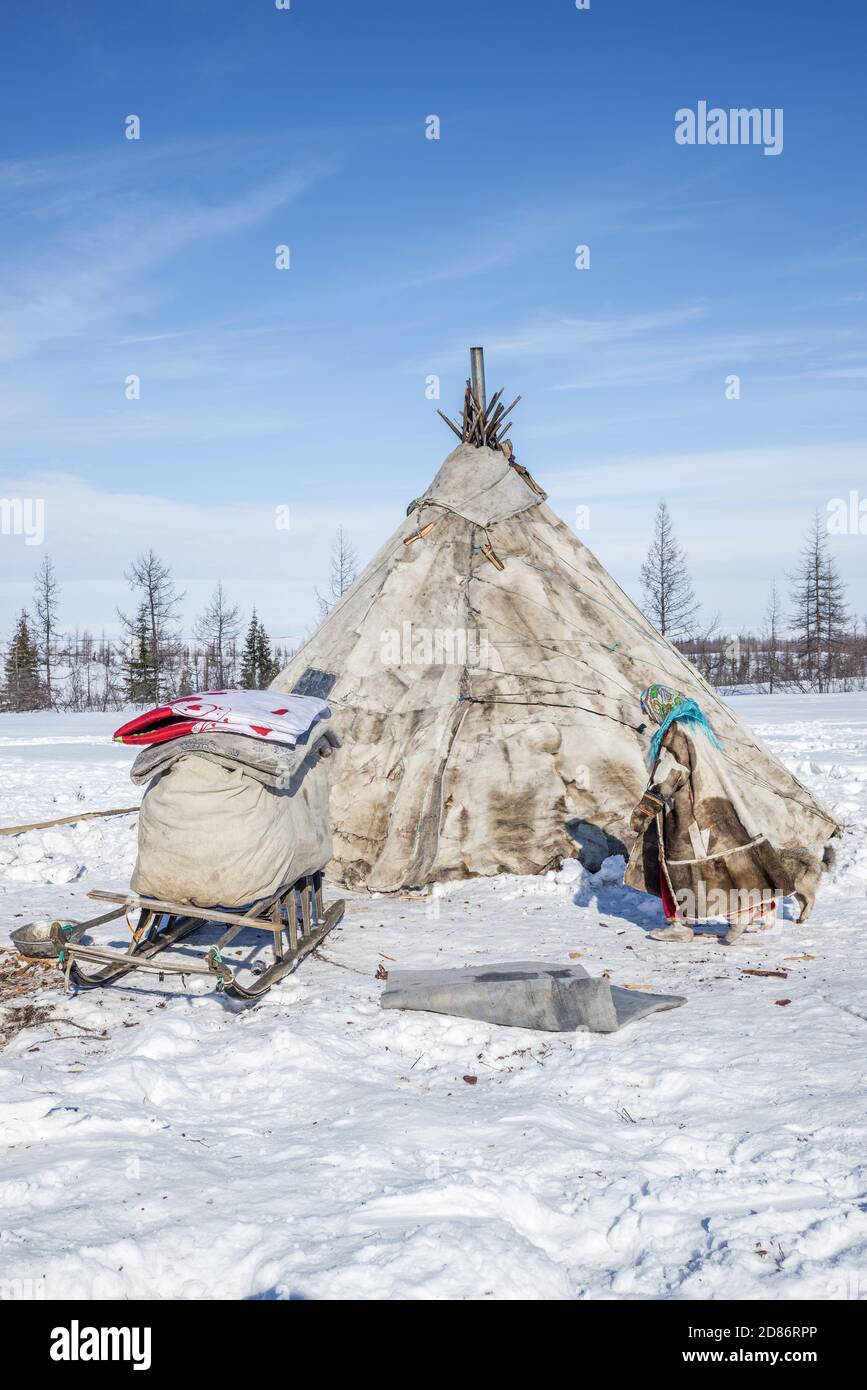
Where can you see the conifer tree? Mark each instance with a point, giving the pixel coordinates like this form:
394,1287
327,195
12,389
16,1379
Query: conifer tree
248,656
267,667
139,674
258,667
23,689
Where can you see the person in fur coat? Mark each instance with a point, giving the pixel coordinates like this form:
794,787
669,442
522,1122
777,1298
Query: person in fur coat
697,848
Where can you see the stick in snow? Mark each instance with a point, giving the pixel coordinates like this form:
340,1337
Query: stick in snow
66,820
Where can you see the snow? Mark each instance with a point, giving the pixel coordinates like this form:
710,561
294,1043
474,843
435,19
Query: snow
163,1143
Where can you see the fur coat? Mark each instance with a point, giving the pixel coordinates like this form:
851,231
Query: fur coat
698,833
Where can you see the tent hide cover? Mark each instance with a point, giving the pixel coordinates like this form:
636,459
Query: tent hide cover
484,674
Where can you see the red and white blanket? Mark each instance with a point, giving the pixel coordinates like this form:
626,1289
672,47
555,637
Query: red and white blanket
257,713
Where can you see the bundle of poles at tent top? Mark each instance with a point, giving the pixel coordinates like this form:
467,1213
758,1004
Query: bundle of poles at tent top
482,424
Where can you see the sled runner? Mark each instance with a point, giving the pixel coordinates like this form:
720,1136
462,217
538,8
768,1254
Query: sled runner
294,917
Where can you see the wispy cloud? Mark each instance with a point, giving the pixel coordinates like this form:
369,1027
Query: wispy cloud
842,373
114,257
779,475
547,336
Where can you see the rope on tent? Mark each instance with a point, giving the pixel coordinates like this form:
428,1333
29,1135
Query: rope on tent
651,636
639,728
745,771
545,642
555,680
550,704
611,608
654,637
558,680
548,609
487,549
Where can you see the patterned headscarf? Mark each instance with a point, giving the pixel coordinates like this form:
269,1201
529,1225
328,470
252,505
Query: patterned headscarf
664,705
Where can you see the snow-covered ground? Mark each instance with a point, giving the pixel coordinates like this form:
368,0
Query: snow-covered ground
159,1143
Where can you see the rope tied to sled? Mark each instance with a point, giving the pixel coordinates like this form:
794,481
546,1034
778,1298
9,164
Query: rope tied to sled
68,928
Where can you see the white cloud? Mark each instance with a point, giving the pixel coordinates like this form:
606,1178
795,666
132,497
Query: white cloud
741,513
91,536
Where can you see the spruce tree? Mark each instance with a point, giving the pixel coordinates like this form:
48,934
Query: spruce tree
23,689
258,667
139,674
250,655
266,666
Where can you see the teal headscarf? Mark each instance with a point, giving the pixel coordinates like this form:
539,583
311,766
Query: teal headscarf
664,705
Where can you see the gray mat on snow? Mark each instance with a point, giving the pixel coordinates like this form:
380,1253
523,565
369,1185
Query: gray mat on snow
524,994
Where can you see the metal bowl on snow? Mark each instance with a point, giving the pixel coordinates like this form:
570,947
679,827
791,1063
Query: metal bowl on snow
34,940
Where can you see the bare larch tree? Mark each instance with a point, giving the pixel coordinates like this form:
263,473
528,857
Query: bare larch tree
152,631
46,604
344,572
770,636
669,600
820,618
218,628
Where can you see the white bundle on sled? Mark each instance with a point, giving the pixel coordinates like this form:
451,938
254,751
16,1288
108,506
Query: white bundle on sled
228,819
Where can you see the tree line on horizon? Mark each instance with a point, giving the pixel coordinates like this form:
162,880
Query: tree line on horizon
152,662
813,644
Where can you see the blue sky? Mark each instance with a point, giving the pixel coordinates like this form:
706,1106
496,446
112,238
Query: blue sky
306,388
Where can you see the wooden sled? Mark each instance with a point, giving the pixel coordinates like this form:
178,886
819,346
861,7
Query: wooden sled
294,917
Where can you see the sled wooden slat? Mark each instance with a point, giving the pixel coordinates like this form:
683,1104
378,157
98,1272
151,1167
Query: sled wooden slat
276,914
137,961
120,963
202,914
292,919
